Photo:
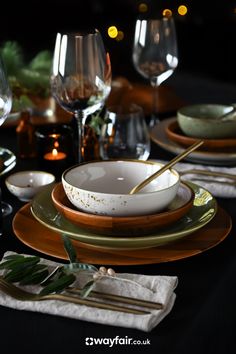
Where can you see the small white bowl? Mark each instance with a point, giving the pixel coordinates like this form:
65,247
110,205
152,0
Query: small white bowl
26,184
103,187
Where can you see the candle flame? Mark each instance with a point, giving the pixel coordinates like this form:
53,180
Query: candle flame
54,152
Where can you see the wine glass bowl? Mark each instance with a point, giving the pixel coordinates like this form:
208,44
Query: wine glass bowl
81,76
155,51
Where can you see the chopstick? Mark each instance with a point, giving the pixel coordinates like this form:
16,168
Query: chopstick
119,298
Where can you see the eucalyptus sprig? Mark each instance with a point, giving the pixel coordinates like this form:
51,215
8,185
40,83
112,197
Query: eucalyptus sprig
24,269
28,270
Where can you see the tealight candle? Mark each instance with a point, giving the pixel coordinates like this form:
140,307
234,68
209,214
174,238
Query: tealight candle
55,148
55,155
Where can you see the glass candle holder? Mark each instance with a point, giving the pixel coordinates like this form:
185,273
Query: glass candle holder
55,148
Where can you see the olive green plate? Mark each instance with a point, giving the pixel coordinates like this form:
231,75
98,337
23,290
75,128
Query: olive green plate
203,210
7,160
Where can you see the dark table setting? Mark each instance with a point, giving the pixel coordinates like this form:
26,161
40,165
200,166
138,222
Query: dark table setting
201,321
203,317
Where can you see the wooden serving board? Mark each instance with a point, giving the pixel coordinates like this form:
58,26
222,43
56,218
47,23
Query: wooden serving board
42,239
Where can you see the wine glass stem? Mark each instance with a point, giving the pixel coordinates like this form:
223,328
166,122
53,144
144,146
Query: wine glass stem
80,118
155,98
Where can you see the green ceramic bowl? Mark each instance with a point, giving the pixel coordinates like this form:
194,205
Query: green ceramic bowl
202,121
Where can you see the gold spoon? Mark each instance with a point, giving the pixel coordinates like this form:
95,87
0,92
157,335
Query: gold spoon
166,167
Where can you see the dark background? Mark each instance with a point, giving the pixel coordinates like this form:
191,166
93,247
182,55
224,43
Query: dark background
206,35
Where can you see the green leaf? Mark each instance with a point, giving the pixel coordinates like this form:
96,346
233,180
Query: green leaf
14,256
22,103
87,288
34,81
69,248
96,123
19,262
35,278
17,274
12,57
59,284
42,62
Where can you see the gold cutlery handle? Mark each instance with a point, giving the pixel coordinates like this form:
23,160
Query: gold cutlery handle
120,298
23,295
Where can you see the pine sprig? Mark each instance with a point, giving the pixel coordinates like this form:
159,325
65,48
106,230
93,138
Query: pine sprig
12,56
31,78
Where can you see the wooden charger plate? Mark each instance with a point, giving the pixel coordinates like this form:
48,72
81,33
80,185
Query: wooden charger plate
42,239
174,133
124,226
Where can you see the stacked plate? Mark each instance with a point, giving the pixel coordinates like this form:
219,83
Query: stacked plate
169,136
174,133
192,209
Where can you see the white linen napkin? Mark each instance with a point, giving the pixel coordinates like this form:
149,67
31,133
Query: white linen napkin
152,288
214,185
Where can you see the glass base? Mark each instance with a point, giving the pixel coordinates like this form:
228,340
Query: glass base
6,209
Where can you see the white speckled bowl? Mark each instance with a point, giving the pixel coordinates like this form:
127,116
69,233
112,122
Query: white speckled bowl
102,187
26,184
202,121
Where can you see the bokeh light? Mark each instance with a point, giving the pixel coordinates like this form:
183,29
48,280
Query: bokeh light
120,36
112,32
167,13
142,7
182,10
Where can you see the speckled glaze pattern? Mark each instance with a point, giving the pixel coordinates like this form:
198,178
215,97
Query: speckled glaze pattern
152,200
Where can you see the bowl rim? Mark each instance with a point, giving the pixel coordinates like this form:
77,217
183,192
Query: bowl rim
186,115
8,182
119,160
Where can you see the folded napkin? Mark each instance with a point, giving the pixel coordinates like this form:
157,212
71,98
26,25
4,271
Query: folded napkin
218,186
152,288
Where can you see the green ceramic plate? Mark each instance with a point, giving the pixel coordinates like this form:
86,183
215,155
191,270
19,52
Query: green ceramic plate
158,135
7,160
203,210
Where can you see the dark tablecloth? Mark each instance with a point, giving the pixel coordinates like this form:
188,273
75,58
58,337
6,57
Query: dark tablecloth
203,319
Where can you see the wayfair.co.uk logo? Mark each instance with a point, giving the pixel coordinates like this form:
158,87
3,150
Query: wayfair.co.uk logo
115,341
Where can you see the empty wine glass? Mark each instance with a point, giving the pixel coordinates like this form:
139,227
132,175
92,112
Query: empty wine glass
125,134
155,53
81,76
5,108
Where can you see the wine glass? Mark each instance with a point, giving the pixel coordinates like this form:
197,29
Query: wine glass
125,134
5,108
81,76
155,53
